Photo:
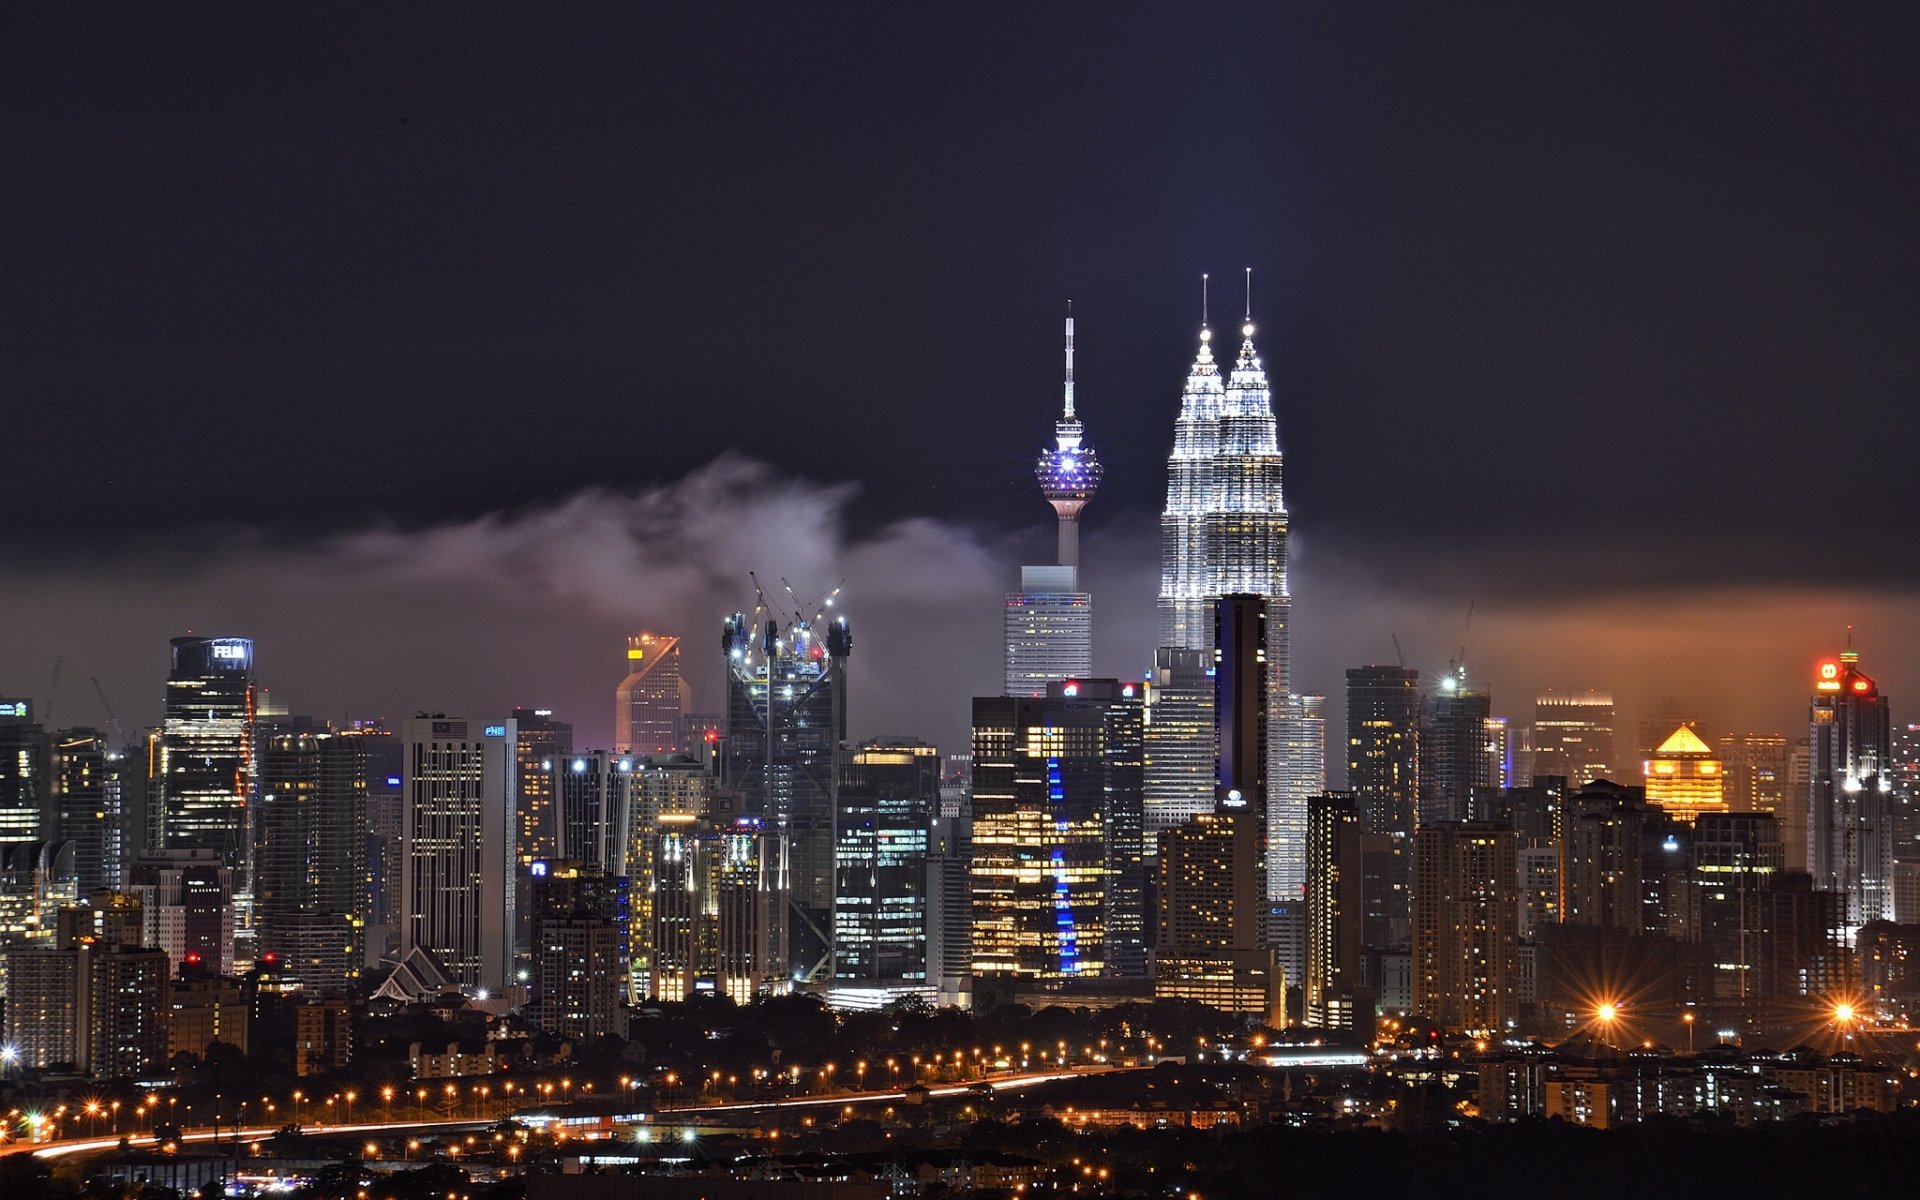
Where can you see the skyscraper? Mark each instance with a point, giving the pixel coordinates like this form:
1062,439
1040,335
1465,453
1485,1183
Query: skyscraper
649,703
1212,945
1683,777
719,911
1573,736
1850,793
593,801
1179,739
1454,759
1049,621
1383,746
1336,911
1224,531
89,806
786,714
541,742
207,752
312,899
23,771
1057,835
1466,909
458,869
1297,773
888,792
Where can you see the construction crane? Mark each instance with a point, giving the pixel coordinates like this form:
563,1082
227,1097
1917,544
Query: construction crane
113,718
1457,668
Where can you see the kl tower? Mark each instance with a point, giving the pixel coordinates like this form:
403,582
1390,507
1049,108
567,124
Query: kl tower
1049,621
1069,473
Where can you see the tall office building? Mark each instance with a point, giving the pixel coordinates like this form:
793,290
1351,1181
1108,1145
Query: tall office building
542,742
1212,943
1057,838
23,772
1048,628
457,872
207,751
1684,777
1179,776
1298,773
719,912
1336,914
1466,911
1736,857
1850,802
1383,746
1756,777
650,701
667,792
786,715
313,886
582,921
1455,761
950,900
1049,621
88,780
593,795
888,793
1573,736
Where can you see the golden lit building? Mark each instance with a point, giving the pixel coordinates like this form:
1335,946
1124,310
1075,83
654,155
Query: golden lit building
1684,778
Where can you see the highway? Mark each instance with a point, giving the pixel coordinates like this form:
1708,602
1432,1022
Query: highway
88,1145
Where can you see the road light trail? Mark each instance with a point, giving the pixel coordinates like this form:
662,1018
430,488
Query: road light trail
64,1148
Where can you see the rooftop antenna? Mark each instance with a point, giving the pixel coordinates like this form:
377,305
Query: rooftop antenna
1249,295
1203,299
1069,360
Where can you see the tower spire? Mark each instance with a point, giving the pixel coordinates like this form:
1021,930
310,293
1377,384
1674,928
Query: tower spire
1203,300
1069,415
1249,295
1069,472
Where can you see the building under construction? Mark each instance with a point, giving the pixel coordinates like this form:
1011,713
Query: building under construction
786,715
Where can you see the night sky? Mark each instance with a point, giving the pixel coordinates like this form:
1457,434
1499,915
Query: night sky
438,350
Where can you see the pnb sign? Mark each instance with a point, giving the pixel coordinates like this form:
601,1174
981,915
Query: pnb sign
23,709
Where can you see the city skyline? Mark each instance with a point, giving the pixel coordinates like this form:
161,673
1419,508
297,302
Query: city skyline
449,461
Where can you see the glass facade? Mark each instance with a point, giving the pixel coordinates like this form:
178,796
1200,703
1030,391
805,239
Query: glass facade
207,764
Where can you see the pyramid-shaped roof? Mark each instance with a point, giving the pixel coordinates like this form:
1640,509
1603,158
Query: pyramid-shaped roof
1684,741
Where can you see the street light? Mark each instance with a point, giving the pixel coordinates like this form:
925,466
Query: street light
1687,1017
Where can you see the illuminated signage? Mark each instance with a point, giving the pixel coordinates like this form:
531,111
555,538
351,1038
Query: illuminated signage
233,650
495,731
636,652
393,781
1829,677
538,868
13,708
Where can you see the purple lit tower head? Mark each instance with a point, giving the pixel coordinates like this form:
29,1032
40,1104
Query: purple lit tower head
1069,473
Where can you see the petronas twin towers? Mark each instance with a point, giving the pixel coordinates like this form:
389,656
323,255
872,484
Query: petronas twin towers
1225,526
1224,531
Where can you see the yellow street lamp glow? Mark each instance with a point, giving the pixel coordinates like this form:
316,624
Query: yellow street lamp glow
1843,1012
1607,1013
